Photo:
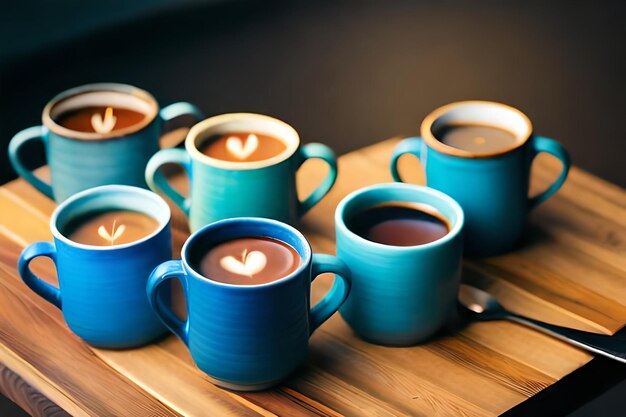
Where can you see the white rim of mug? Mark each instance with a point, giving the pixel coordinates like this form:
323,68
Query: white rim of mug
435,115
203,129
303,264
124,89
105,189
420,189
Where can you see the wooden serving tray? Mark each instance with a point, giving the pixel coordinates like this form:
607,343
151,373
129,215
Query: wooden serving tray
570,271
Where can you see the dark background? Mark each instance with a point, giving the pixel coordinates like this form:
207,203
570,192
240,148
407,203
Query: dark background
347,73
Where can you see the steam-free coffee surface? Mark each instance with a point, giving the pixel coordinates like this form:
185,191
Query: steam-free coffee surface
81,119
398,224
475,138
249,261
242,147
112,227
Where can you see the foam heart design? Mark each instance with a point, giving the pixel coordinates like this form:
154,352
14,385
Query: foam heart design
251,263
103,124
116,232
240,150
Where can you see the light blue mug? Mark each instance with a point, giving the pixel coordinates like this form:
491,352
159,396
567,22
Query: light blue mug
102,288
81,160
222,189
491,187
401,295
248,337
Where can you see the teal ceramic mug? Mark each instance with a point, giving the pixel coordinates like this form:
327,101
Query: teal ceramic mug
401,295
248,337
102,288
492,187
79,159
221,189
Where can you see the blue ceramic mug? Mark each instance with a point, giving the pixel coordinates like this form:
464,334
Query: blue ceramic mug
248,337
102,288
401,295
222,189
80,160
491,187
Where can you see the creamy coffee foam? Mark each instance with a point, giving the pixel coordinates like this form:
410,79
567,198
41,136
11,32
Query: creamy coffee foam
249,261
99,119
478,139
242,147
108,228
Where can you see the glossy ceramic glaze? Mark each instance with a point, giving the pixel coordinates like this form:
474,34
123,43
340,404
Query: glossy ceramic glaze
492,189
221,189
102,288
401,295
80,160
248,337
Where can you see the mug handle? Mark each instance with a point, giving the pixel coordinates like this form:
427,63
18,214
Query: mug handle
182,108
168,270
27,135
323,152
157,181
45,290
411,146
542,144
337,294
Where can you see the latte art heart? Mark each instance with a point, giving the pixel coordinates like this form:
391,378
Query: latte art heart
240,150
104,124
116,232
251,263
250,260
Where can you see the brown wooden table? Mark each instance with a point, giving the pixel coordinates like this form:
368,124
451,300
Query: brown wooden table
571,271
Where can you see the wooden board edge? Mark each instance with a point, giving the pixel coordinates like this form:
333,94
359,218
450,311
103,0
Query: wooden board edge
39,381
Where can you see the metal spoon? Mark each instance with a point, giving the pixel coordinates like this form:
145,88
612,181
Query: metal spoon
487,308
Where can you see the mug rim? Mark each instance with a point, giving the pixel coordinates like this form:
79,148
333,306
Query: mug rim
454,231
56,233
259,220
430,139
201,127
127,89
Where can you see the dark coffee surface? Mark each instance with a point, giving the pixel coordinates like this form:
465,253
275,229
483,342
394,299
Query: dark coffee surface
242,147
81,119
398,224
111,227
478,139
249,261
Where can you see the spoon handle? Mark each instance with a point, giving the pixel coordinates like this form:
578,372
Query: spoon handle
601,344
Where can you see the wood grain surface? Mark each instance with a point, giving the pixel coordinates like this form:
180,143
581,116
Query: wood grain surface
28,398
570,270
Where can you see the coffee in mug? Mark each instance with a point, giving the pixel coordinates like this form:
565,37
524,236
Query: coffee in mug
102,282
403,246
110,227
100,119
480,153
96,134
476,138
399,223
242,147
242,165
248,337
249,261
